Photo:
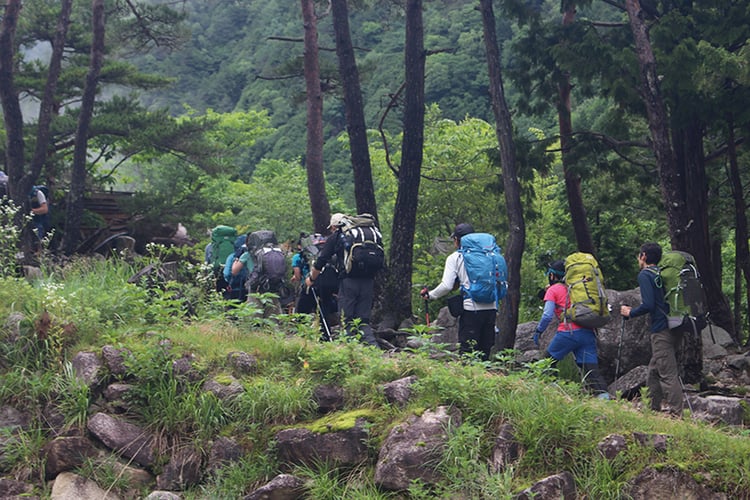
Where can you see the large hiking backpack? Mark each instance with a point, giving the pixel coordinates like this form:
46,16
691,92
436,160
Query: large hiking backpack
486,268
587,299
222,246
683,291
363,247
271,268
236,282
261,238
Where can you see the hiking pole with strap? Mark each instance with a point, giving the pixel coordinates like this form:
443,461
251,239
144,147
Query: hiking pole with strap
619,349
328,337
426,312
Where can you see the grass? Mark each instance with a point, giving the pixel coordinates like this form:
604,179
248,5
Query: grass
557,425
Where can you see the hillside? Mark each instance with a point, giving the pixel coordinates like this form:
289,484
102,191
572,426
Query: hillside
213,395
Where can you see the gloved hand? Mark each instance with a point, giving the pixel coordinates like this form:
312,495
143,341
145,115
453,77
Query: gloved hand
535,338
425,293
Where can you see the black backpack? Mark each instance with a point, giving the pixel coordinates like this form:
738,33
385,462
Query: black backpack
363,247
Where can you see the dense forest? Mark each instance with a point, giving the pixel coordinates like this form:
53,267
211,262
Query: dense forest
628,123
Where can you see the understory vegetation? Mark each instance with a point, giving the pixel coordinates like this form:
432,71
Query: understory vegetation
89,303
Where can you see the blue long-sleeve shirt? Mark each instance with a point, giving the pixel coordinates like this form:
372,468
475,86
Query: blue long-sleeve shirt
652,299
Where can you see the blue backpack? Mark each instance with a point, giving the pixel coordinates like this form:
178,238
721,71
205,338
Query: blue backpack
237,282
486,268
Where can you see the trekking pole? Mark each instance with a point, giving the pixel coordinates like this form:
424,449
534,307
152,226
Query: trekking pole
619,349
322,316
426,312
684,394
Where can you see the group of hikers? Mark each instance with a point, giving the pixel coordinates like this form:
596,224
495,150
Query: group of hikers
576,298
333,276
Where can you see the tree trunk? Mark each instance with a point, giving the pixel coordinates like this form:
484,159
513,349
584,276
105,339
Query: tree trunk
74,209
696,238
397,296
364,191
316,186
742,251
572,179
47,105
508,317
12,116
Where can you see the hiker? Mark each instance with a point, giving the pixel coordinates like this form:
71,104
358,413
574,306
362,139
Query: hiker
236,286
300,270
242,261
663,375
476,325
40,211
569,337
356,289
320,297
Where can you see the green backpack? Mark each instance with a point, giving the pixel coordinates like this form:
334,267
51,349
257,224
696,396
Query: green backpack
587,300
222,244
683,291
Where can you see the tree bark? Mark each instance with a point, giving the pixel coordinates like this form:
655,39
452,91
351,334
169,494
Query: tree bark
74,208
572,180
508,314
316,186
364,191
48,106
12,116
742,251
397,296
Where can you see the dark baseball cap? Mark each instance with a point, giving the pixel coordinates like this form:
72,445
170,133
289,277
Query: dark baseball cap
462,229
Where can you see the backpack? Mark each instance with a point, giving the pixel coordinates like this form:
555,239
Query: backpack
683,291
222,245
486,267
587,299
237,281
363,247
271,270
261,238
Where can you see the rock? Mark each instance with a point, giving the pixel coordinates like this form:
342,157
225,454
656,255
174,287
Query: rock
559,486
282,487
114,360
611,446
411,446
224,389
223,451
302,446
398,392
69,486
66,453
242,363
88,367
123,437
717,409
182,471
669,483
329,398
506,450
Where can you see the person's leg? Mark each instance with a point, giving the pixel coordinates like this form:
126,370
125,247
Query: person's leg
587,360
468,332
670,373
663,379
486,333
354,296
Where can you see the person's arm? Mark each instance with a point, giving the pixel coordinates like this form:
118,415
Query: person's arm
548,313
241,262
325,255
43,208
450,275
648,299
